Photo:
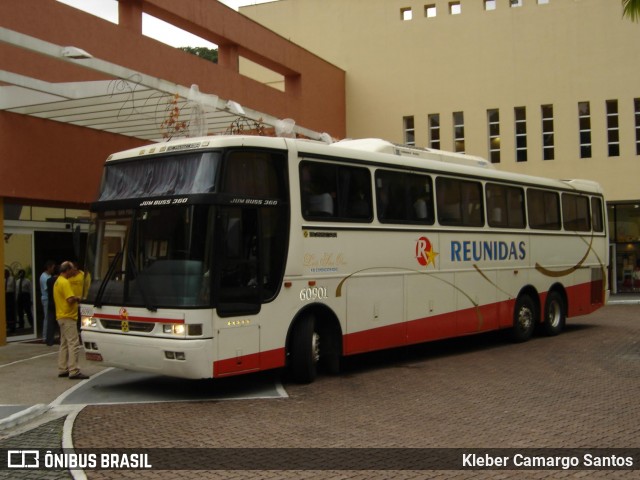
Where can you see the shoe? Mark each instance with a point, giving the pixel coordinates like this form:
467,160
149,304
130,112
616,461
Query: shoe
63,374
78,376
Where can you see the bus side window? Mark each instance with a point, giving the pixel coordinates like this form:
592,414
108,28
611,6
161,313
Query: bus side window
596,215
317,189
459,202
575,213
543,209
329,192
404,197
505,206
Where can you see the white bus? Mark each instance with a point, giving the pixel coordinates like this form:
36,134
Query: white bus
226,255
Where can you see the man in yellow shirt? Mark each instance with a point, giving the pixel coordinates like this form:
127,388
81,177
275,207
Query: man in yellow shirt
67,316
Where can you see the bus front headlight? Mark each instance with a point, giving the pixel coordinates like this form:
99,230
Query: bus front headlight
88,322
173,328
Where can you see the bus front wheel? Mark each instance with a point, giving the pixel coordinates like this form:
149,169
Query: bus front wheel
305,350
524,318
554,314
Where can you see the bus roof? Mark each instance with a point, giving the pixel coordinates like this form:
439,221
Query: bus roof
379,151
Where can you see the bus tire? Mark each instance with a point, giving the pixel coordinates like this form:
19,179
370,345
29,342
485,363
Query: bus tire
554,314
524,319
305,350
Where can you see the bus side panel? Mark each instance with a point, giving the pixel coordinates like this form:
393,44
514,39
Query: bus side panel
375,305
475,302
429,299
238,349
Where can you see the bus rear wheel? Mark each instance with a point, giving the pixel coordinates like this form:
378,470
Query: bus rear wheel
524,318
554,314
305,350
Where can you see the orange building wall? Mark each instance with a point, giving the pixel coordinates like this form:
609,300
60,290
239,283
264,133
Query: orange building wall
51,162
38,156
316,96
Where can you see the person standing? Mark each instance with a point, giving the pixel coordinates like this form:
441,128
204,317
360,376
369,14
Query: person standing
77,284
10,300
24,294
52,326
66,302
49,266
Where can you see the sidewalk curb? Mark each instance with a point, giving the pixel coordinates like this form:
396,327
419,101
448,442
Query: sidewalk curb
23,416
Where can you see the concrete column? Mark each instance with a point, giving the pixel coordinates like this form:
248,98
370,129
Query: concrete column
3,313
130,15
228,57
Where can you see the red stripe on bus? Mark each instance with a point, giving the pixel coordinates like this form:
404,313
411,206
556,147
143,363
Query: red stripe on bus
131,318
459,323
250,363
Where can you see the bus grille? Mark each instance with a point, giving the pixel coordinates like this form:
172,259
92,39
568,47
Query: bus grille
145,327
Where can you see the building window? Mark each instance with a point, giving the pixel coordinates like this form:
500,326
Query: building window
455,8
406,14
458,131
434,130
430,11
409,131
489,5
493,121
636,109
613,129
548,144
520,114
584,120
515,3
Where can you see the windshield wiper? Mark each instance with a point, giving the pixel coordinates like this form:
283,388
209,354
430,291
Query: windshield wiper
105,281
145,298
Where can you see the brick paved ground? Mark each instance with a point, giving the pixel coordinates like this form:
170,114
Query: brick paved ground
579,389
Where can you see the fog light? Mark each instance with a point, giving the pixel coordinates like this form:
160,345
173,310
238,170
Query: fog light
170,355
180,356
195,330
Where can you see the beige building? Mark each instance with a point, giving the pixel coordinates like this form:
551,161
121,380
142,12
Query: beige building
543,87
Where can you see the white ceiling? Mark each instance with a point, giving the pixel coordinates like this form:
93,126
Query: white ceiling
132,104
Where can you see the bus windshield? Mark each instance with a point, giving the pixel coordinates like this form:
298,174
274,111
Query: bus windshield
154,257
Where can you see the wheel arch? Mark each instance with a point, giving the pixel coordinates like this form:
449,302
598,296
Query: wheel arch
559,288
326,321
531,291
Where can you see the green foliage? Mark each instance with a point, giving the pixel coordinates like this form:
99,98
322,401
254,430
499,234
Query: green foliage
210,54
631,10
